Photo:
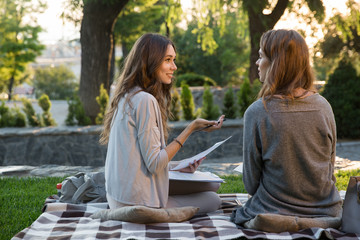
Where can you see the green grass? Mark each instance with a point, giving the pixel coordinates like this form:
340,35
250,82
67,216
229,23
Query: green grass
21,199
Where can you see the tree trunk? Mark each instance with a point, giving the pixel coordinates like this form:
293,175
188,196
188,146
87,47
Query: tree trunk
10,87
97,26
258,24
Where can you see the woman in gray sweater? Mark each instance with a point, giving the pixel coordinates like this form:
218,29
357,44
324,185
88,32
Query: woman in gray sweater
289,137
136,132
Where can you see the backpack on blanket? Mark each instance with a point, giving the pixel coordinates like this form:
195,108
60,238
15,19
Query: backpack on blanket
84,188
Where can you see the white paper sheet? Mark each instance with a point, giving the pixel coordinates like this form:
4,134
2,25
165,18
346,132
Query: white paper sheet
239,168
185,162
196,176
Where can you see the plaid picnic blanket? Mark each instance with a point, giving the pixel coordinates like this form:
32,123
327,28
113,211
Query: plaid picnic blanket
72,221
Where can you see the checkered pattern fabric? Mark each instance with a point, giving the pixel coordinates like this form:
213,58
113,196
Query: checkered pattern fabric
70,221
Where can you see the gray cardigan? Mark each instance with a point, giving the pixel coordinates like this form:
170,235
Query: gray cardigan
289,156
136,167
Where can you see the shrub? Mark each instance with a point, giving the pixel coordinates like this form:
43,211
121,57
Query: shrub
76,113
57,82
175,106
247,95
102,100
229,109
45,104
187,102
342,91
11,117
33,119
209,110
193,79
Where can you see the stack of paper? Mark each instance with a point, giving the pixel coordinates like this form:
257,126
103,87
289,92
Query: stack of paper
196,176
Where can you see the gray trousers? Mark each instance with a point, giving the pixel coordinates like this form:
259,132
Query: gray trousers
187,193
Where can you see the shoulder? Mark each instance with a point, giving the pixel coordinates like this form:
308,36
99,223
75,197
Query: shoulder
255,108
143,98
320,101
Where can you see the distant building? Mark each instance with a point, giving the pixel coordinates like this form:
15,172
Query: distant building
61,53
24,90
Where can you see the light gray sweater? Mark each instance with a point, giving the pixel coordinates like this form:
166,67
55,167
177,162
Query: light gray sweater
136,167
289,156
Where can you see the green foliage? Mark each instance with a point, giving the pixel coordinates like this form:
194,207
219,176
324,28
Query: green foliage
343,177
102,100
342,39
56,82
33,119
187,102
45,104
19,40
229,109
209,110
11,117
342,91
228,61
21,201
76,113
175,106
193,79
247,95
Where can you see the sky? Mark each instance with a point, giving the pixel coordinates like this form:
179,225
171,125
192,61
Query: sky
56,30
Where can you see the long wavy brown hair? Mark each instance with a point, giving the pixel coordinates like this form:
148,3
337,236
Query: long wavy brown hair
289,67
139,69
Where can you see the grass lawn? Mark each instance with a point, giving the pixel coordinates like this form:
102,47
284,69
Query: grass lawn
21,199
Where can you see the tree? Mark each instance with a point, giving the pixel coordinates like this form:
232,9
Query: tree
209,110
96,37
102,100
19,44
187,102
342,39
56,82
262,16
144,16
342,91
228,61
229,109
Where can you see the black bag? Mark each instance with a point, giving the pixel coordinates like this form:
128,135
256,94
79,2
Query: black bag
351,211
84,188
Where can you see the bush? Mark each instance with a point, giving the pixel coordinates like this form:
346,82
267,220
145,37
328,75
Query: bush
209,110
342,91
102,100
175,106
76,113
45,104
11,117
229,109
247,95
193,79
56,82
33,119
187,102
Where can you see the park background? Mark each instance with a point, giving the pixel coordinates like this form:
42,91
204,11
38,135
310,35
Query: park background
44,55
59,60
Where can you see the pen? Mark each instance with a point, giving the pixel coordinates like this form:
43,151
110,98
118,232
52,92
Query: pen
209,126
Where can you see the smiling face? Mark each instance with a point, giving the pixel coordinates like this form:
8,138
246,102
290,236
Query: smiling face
263,64
167,68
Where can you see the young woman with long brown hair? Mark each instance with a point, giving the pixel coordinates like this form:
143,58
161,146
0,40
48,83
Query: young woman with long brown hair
289,137
135,129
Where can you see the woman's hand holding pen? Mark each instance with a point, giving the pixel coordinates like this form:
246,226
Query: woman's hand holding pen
205,125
